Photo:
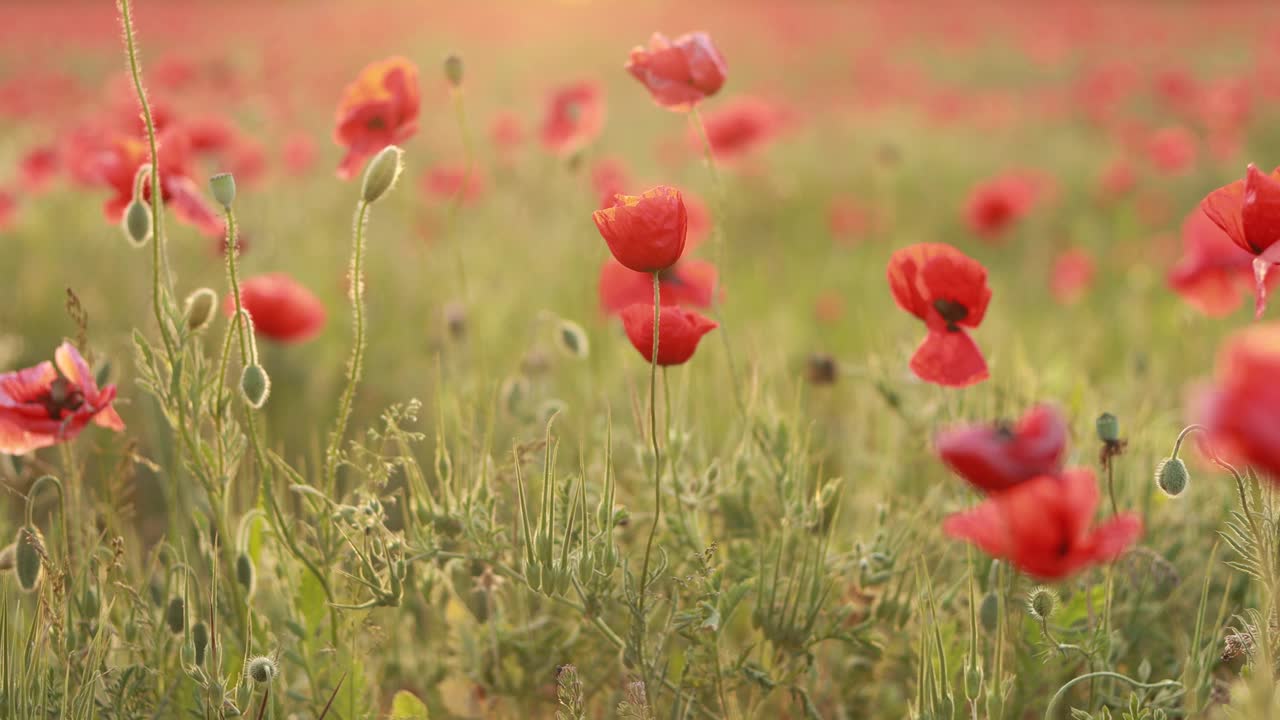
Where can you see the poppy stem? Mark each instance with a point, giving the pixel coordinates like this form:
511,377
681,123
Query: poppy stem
356,366
657,476
1051,711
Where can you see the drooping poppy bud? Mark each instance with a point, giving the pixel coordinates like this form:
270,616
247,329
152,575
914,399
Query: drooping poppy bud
28,557
198,308
679,331
646,232
382,173
255,385
261,669
175,615
137,223
453,70
1172,476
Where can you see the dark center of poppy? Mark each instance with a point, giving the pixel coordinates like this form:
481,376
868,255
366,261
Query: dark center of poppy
1004,430
62,397
376,123
951,311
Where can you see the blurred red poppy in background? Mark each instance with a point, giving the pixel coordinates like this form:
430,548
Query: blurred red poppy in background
996,205
645,232
281,308
1213,274
679,73
379,109
1172,150
52,402
1241,409
8,208
739,127
996,456
38,167
574,118
946,289
689,283
447,181
1043,526
1071,275
1248,211
679,331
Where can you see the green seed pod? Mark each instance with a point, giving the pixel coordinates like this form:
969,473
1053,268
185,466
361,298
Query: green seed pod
223,187
381,173
137,223
175,615
245,574
200,641
453,70
261,669
1108,428
572,340
28,557
255,385
1172,476
1041,602
198,309
989,612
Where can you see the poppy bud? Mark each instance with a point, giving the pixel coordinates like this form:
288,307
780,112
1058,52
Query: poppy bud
198,308
223,186
244,572
453,70
261,669
989,612
255,385
1041,603
175,615
572,339
382,173
28,561
1108,428
137,223
1172,476
822,369
200,641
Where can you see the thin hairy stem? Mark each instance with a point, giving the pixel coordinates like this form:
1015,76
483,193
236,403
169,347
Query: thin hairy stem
356,366
1050,712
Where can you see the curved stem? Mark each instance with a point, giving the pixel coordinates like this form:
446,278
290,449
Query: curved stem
1049,712
1177,445
356,366
657,472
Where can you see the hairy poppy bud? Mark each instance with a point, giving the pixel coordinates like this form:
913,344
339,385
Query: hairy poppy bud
382,173
1108,428
200,641
572,339
1172,476
198,308
244,572
223,186
137,223
175,615
28,560
261,669
1041,602
453,70
255,385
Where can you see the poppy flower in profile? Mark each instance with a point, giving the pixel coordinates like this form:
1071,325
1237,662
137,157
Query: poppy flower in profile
1214,274
38,167
948,291
453,181
1071,275
281,308
575,117
679,73
996,456
379,109
1241,409
1248,211
688,283
52,402
1044,526
1172,150
645,232
739,127
679,331
996,205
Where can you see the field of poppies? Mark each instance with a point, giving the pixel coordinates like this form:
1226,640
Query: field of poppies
584,359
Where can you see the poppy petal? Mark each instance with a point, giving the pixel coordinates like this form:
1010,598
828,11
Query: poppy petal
951,359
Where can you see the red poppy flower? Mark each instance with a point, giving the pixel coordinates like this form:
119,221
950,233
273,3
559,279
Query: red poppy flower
379,109
1248,211
8,208
678,74
688,283
1044,528
946,289
996,205
679,331
1242,408
39,165
1118,180
739,127
299,153
848,220
445,182
575,117
52,402
646,232
1071,275
1213,274
116,165
1172,150
996,456
281,308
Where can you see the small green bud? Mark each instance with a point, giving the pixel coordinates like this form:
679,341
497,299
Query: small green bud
198,308
223,186
381,173
137,223
200,641
28,558
175,615
453,70
1172,476
245,573
1108,428
255,385
972,680
989,612
572,340
1041,602
261,669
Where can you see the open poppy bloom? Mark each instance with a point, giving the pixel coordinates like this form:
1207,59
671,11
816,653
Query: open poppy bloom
379,109
688,283
281,308
996,456
678,74
739,127
996,205
1043,526
575,117
679,331
1248,211
52,402
1071,275
1213,274
116,166
645,232
947,290
1242,408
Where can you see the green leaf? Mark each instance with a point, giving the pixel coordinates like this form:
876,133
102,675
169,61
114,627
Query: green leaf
406,706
